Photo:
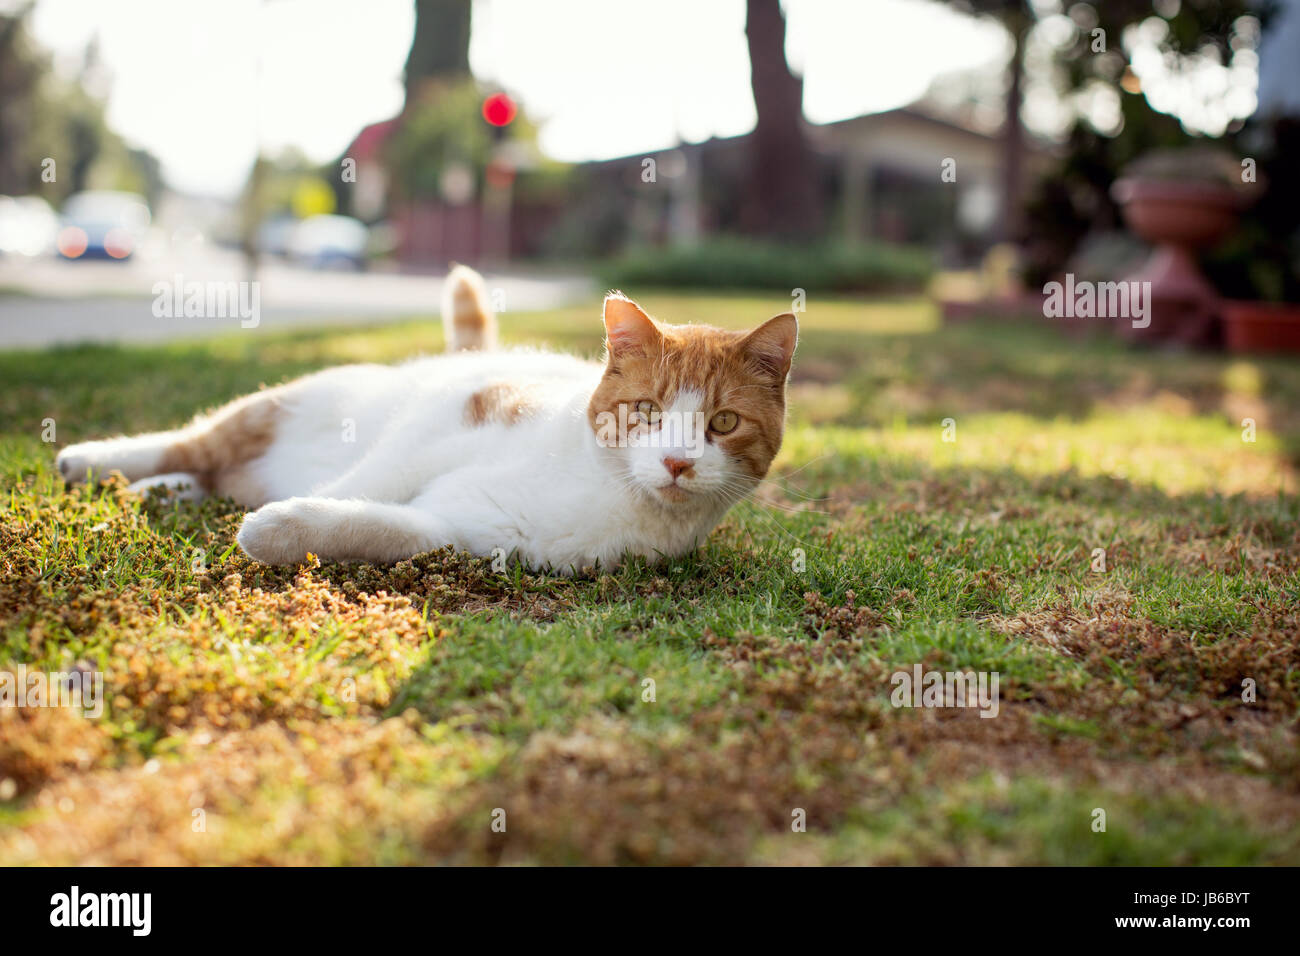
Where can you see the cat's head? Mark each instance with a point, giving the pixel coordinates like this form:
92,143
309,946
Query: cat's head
690,414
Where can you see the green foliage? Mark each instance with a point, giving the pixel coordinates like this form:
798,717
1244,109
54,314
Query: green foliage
1073,201
445,127
48,115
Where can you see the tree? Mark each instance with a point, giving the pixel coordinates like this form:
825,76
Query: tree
1015,17
782,196
440,45
44,115
21,66
1194,28
443,128
1089,62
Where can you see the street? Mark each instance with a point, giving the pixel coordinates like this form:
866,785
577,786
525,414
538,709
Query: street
47,302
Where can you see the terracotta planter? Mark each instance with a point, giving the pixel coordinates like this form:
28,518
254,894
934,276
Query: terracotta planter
1261,326
1191,214
1179,217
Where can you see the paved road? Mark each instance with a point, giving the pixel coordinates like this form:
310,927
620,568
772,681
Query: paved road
47,302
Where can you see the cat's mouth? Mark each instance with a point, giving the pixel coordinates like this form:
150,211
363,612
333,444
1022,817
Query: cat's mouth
673,492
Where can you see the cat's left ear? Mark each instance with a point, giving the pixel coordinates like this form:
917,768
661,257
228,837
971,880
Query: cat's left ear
771,346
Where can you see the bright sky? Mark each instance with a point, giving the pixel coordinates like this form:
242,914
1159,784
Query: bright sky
602,78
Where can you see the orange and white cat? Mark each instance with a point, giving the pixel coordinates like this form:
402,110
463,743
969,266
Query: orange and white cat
558,462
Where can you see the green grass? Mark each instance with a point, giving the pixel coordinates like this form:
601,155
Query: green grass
690,712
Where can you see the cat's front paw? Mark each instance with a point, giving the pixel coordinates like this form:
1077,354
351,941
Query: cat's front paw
274,534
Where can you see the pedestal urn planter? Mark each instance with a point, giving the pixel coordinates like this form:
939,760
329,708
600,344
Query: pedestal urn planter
1180,218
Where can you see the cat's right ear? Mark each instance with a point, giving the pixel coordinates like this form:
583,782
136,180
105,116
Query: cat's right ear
627,328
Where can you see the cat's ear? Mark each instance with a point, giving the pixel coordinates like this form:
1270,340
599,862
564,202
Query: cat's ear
770,347
627,327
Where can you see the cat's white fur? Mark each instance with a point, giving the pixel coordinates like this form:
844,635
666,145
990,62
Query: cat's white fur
542,489
378,463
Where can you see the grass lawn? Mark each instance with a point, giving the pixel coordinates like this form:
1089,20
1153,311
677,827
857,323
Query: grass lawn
698,712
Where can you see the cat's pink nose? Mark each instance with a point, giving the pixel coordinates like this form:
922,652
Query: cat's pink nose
677,466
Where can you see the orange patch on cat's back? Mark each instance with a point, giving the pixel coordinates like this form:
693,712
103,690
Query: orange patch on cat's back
499,404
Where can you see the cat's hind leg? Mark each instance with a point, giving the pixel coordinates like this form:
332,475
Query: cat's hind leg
212,448
179,485
340,529
136,457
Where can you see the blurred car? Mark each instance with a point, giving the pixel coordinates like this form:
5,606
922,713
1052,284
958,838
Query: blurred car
28,226
273,235
102,224
329,242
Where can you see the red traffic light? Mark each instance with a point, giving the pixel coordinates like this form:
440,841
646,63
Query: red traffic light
499,109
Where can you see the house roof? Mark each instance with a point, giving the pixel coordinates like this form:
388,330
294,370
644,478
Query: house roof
368,142
918,112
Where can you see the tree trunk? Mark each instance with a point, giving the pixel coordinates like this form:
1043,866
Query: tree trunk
440,46
782,196
1013,136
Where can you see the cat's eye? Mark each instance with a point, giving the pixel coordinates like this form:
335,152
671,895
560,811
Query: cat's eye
648,411
724,422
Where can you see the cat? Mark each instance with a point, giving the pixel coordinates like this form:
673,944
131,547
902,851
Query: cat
554,461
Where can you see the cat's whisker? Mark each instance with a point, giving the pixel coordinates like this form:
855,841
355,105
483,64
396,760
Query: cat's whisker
776,524
756,482
787,474
747,498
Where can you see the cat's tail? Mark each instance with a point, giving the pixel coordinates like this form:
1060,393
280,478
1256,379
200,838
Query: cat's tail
467,318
